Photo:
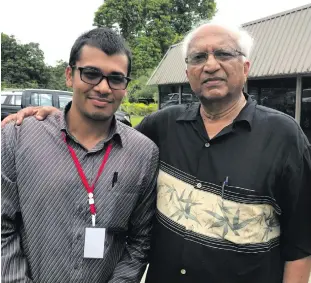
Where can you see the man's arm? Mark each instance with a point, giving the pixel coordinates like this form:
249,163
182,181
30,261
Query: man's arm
41,112
297,271
296,218
14,266
133,262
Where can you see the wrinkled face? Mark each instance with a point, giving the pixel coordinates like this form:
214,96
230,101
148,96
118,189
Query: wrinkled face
220,75
98,102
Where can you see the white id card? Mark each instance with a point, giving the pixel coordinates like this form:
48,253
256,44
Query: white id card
94,242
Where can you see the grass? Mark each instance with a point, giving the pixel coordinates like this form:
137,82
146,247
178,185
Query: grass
135,120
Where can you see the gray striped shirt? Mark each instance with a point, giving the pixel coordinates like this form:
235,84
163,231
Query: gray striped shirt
45,209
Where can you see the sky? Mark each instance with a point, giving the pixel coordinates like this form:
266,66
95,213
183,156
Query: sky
55,24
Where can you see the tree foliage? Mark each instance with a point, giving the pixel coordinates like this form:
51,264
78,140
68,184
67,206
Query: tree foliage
57,79
23,66
138,88
151,26
148,26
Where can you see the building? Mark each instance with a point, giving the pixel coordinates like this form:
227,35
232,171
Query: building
280,74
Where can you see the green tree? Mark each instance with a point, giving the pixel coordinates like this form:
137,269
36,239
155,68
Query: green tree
151,26
138,88
124,16
57,79
185,13
22,65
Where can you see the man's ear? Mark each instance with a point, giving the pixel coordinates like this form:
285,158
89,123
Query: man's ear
69,76
246,69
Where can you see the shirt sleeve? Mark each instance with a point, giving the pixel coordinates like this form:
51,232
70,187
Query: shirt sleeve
296,203
148,128
14,266
134,260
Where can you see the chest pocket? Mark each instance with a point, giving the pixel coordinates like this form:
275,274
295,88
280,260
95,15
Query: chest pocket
115,206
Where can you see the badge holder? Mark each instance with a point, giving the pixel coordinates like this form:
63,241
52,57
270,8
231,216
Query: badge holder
94,242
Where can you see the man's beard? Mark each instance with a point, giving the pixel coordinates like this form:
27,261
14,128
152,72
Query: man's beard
97,116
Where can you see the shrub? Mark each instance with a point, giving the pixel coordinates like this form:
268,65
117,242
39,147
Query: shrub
139,109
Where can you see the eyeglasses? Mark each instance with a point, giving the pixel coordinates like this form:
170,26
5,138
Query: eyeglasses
220,55
93,76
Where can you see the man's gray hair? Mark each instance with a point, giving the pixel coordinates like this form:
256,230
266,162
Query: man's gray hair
243,38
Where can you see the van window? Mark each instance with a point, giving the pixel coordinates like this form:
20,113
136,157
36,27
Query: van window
41,99
17,100
3,98
63,100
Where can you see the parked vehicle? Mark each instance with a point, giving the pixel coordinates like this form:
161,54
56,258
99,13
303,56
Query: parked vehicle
13,101
146,101
174,99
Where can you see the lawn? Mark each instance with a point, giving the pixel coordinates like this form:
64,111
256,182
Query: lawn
135,120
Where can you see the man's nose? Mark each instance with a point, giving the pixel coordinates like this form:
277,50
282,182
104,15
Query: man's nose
103,86
211,65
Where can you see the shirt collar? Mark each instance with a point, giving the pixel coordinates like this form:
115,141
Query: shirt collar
116,131
246,116
192,112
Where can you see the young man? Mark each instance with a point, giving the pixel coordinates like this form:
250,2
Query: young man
78,189
234,188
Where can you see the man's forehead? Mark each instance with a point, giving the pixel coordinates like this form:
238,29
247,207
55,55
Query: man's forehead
95,57
89,51
211,35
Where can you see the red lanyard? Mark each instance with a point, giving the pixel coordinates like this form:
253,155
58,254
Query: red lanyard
89,189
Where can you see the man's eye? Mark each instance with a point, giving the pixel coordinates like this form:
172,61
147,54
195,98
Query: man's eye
91,74
198,57
223,54
117,79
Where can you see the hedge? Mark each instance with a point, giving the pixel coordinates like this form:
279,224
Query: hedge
139,109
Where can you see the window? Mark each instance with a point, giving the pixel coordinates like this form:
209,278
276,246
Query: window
41,99
64,100
17,100
34,99
186,98
305,118
253,93
12,100
282,99
3,98
45,99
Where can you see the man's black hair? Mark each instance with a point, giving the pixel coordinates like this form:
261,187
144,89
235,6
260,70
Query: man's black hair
104,39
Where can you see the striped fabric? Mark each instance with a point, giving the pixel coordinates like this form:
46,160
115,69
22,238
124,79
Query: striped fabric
45,209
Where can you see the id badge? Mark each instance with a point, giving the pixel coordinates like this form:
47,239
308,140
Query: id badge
94,242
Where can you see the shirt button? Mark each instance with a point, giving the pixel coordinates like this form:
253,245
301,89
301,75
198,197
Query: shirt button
80,208
76,266
183,271
207,144
199,185
79,237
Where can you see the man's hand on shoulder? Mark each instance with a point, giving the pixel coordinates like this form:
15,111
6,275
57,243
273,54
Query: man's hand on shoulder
40,112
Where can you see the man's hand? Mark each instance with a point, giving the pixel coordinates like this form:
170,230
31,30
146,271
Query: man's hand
40,112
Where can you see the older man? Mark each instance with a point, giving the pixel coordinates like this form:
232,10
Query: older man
234,189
